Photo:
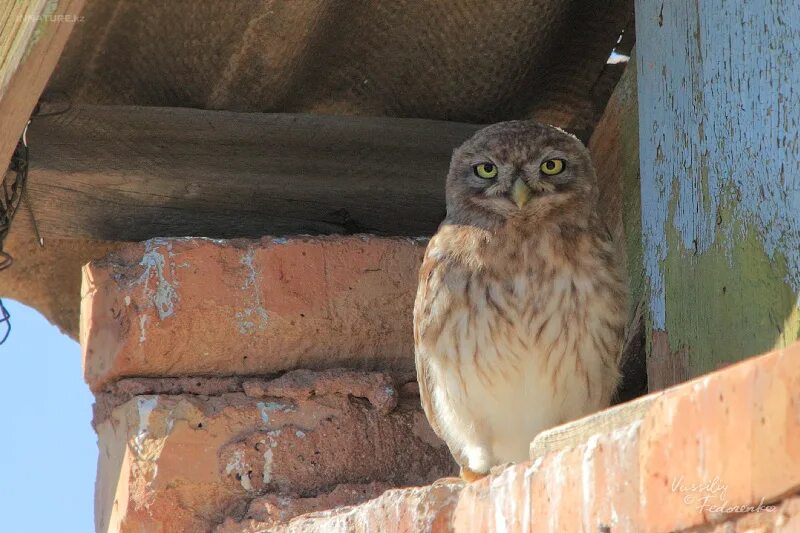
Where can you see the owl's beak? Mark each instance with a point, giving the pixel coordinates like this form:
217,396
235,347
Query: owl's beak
521,193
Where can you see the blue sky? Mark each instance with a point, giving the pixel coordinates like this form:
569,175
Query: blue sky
48,450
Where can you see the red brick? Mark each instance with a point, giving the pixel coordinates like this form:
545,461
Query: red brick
172,307
610,481
775,425
187,462
424,509
670,454
727,439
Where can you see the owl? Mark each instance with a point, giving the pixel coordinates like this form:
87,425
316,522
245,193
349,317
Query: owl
522,299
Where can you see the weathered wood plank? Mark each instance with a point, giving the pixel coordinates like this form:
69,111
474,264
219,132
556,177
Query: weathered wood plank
17,23
615,150
32,36
719,85
578,432
131,173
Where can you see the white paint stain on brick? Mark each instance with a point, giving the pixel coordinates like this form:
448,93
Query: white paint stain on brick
164,295
555,484
267,465
148,443
626,444
209,239
142,330
264,408
267,476
253,318
237,465
504,501
145,406
588,480
626,447
528,492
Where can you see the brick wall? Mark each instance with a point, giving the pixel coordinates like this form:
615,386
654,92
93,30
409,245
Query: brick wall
240,380
268,386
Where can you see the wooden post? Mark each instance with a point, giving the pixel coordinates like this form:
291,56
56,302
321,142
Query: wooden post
719,94
615,151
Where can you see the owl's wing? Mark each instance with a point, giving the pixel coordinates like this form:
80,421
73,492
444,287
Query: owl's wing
633,327
422,320
425,394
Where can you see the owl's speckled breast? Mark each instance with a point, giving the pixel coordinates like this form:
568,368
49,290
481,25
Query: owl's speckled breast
512,352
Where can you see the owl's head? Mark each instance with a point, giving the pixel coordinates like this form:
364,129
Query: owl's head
520,171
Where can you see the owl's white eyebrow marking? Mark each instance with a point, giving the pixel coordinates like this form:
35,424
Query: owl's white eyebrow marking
554,154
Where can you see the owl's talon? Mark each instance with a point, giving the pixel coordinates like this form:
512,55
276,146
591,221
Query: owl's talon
469,476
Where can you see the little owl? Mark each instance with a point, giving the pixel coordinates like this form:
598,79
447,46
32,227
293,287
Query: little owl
521,305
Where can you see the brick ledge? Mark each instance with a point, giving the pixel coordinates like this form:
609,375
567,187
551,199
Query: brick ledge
683,459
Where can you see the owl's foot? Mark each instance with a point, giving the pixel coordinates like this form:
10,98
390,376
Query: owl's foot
469,476
497,470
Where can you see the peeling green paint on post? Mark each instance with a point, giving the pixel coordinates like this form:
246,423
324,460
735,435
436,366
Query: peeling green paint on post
728,302
719,85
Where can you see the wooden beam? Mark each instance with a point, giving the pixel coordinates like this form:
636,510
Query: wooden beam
32,36
130,173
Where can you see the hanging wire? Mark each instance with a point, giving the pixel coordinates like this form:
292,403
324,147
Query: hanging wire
5,321
10,197
58,100
13,192
12,188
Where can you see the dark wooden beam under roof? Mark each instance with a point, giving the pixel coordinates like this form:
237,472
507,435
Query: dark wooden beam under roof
129,173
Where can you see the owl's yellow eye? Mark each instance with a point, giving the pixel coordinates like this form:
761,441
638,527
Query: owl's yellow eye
551,167
486,171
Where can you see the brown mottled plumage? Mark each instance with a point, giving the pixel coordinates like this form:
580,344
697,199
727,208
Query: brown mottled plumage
521,305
